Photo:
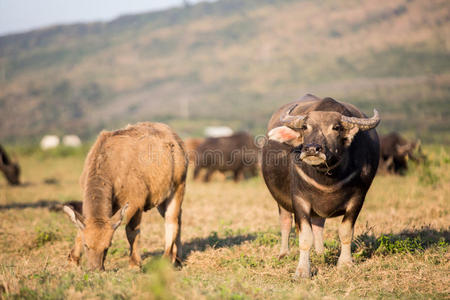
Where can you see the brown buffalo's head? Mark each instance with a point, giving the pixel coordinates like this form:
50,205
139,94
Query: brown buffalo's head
96,235
320,137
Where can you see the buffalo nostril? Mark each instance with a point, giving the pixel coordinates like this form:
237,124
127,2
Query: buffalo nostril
313,148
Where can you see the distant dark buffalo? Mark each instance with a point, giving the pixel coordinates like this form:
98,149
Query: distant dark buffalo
10,169
237,153
319,162
395,152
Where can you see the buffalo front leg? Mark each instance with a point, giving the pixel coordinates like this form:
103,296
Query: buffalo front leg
302,210
317,229
346,231
75,253
285,225
133,232
171,211
208,175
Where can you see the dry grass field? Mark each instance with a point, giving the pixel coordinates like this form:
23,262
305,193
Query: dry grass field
231,240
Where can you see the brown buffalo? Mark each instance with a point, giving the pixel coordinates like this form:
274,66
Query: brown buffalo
237,153
396,151
319,162
128,172
10,169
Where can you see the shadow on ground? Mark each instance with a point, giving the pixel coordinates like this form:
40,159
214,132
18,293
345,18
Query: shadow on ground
410,241
52,205
212,241
364,246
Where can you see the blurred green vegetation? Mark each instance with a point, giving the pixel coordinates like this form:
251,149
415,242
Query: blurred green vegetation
233,63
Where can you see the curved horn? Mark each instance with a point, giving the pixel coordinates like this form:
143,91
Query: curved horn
361,123
292,121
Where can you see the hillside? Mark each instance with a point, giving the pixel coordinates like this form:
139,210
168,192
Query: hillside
231,62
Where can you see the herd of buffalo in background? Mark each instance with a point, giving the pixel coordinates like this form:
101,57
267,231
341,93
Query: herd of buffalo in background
396,152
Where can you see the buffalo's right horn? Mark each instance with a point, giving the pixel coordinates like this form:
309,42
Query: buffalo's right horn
361,123
292,121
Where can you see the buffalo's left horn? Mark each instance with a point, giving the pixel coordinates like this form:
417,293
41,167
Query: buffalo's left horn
361,123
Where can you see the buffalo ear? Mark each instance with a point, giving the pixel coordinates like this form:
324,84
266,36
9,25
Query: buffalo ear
349,134
283,134
75,217
116,220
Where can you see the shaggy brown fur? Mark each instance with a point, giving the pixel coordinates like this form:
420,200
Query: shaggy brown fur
127,172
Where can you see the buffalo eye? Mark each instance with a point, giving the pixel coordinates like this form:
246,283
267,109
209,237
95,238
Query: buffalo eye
337,127
303,127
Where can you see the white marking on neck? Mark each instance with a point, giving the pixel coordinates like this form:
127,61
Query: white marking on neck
325,188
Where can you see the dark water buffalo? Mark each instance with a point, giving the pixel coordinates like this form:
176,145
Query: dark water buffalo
237,153
319,162
10,169
396,151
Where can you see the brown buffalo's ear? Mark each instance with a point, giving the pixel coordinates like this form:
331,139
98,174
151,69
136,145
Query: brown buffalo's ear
283,134
75,217
116,220
349,134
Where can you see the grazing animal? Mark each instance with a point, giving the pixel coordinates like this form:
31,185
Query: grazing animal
10,169
395,152
318,163
237,153
127,172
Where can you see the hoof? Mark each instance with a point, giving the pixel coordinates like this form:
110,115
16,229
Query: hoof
135,263
282,255
177,263
302,274
344,263
320,251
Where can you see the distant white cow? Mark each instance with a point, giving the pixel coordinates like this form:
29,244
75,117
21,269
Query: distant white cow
71,141
49,142
218,131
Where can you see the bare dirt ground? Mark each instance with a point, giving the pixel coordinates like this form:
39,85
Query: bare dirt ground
231,241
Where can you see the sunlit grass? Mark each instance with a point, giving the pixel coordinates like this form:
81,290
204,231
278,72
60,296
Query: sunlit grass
231,242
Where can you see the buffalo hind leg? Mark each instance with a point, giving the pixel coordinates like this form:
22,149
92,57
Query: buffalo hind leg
133,232
238,175
75,253
285,225
171,211
302,211
317,229
346,231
